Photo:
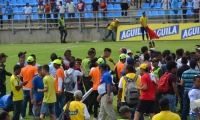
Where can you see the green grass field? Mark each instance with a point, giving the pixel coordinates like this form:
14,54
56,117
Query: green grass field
79,50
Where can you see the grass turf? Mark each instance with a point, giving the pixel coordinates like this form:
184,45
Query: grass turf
79,50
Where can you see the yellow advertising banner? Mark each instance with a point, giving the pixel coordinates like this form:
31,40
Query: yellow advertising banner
164,31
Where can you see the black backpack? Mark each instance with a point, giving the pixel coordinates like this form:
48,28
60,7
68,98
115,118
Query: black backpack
65,115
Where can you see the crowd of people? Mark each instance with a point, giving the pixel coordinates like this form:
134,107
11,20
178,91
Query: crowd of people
151,84
51,10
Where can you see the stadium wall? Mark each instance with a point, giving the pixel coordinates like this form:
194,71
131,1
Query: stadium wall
40,35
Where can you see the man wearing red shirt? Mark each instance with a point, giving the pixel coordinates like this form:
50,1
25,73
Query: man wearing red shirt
147,97
81,7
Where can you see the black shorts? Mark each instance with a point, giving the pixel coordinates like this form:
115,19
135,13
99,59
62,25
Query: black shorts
9,16
71,15
145,106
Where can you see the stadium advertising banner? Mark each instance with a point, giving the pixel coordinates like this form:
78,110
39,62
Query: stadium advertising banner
164,31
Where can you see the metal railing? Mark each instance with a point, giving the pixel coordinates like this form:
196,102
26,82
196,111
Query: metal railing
131,18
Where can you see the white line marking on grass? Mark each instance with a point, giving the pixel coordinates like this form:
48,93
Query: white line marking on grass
51,50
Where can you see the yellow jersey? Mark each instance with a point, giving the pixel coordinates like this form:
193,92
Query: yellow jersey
131,76
112,26
17,94
76,110
166,115
50,95
143,21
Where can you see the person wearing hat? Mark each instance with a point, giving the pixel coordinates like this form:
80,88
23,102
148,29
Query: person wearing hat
129,53
113,25
27,74
148,92
96,75
187,82
59,78
3,74
129,74
125,113
77,109
106,95
22,59
35,63
75,74
165,113
143,22
119,67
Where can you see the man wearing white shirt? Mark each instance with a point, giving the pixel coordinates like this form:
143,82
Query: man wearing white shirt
166,6
28,11
195,5
194,94
75,74
61,8
1,16
70,6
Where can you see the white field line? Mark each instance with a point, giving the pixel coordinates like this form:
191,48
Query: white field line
50,50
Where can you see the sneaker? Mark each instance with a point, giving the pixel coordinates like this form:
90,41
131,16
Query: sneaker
22,118
104,39
30,114
24,26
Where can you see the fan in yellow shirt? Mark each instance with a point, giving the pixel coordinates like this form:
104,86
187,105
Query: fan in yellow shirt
113,25
49,94
17,92
165,113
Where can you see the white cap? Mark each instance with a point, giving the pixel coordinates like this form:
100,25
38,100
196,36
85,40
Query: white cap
129,51
198,48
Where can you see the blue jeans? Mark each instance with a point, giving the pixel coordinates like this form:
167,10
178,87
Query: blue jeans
132,112
47,106
175,14
184,14
186,105
17,108
59,104
25,101
110,33
172,101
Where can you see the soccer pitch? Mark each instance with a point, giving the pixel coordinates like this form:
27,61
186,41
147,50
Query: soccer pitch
79,50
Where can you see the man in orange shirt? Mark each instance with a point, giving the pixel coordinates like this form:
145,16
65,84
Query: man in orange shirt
59,78
47,11
119,67
96,75
27,74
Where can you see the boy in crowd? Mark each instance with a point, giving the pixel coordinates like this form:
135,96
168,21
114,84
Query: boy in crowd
194,95
147,97
59,78
36,97
157,71
49,94
17,92
165,113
